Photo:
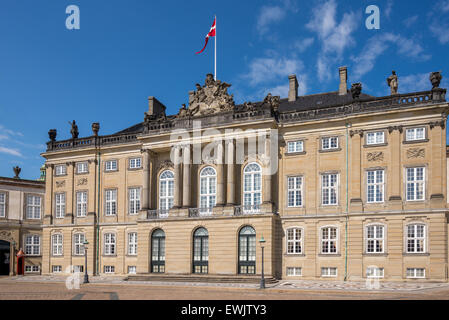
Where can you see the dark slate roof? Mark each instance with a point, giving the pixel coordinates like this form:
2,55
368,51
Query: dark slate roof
137,128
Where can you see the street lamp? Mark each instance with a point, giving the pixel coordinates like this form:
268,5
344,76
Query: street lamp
262,280
86,276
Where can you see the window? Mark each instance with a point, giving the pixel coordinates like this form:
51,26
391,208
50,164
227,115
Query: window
81,203
415,134
109,269
33,210
416,238
328,240
2,205
60,205
132,270
200,251
247,250
328,272
111,202
375,239
294,191
78,244
109,244
329,189
375,138
294,272
111,165
132,243
294,241
57,244
82,167
374,272
416,273
158,251
208,187
32,269
56,269
375,186
415,184
78,269
134,200
135,163
60,170
252,187
295,146
329,143
166,191
32,245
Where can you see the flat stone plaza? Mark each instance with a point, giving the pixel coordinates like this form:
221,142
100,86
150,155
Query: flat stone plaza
108,288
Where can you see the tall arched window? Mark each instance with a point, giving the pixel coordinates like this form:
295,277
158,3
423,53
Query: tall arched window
158,251
208,190
200,251
247,250
252,187
166,191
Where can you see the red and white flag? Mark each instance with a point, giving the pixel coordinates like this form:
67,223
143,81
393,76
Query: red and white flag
211,33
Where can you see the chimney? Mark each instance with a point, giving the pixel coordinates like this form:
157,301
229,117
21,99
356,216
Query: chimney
343,89
154,106
293,88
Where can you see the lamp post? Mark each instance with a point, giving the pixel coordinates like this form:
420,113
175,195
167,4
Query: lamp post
86,276
262,280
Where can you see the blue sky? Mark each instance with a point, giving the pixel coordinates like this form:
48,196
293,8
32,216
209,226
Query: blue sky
128,50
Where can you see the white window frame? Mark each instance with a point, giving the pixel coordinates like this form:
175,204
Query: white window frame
109,269
166,190
82,167
110,243
60,170
295,191
32,269
375,272
375,239
132,244
252,196
293,271
375,137
3,198
329,143
411,134
330,188
110,165
134,202
377,186
412,273
328,273
56,269
78,244
295,146
60,205
135,163
81,203
415,239
57,244
110,202
133,267
411,172
33,248
294,232
33,209
329,240
208,190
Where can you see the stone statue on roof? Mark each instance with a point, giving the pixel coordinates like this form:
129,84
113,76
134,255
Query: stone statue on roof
392,82
74,130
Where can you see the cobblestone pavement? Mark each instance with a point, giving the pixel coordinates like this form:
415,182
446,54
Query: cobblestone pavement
114,288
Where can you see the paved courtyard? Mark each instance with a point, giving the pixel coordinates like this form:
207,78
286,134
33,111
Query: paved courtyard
102,288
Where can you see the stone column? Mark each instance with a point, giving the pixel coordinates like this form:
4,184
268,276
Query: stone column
230,192
48,217
177,167
266,186
220,175
355,176
186,177
146,179
437,163
396,169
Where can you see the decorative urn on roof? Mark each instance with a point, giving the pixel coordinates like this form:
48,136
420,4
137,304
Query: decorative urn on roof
17,170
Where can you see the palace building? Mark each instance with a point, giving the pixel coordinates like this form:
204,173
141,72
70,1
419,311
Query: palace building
339,185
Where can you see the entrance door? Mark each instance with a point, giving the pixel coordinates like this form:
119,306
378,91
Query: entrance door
5,258
158,251
247,250
200,251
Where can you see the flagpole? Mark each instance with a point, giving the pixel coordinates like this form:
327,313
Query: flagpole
215,48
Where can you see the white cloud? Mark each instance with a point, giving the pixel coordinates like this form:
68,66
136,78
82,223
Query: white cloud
303,44
6,131
10,151
282,90
410,21
440,31
323,20
414,83
265,70
269,15
389,8
444,6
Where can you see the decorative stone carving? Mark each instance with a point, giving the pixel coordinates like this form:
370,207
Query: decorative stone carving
393,83
212,98
6,235
435,78
52,135
159,117
82,182
272,101
392,128
74,131
356,90
441,123
166,164
354,132
17,170
375,156
95,128
60,184
183,112
416,153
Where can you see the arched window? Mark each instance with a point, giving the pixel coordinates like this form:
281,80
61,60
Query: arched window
200,251
166,191
247,250
252,187
158,251
208,190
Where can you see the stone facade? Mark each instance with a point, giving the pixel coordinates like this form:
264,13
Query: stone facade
342,185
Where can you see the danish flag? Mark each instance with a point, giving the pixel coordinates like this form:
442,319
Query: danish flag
210,34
